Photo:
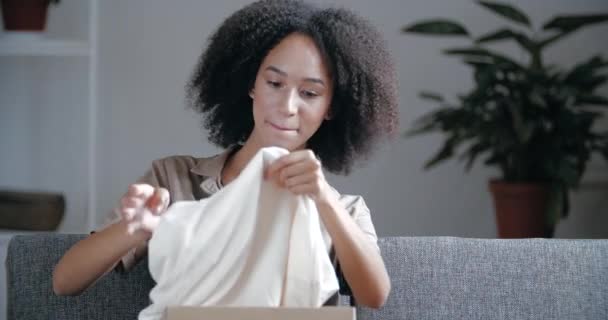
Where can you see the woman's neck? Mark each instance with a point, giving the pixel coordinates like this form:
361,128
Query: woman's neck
238,160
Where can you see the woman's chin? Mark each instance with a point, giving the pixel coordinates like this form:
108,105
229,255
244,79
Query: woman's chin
289,145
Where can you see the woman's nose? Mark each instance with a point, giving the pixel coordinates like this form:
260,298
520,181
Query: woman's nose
289,106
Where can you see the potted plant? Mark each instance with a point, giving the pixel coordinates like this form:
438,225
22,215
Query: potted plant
25,15
532,121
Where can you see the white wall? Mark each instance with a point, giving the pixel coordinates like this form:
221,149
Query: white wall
147,50
147,54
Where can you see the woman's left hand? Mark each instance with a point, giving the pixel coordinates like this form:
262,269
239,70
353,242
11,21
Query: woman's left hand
300,172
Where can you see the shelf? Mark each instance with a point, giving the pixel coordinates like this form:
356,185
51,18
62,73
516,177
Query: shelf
37,44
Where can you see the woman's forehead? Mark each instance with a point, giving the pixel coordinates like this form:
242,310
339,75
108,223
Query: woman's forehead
296,55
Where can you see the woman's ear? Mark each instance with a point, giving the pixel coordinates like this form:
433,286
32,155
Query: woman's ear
251,93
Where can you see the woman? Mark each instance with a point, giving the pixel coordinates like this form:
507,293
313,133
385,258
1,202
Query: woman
317,82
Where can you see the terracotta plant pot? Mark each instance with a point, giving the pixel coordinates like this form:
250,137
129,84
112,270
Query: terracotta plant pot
24,15
520,209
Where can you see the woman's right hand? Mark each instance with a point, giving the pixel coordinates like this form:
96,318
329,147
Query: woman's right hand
141,208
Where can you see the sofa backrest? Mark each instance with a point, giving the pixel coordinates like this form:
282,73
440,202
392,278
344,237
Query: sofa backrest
432,278
461,278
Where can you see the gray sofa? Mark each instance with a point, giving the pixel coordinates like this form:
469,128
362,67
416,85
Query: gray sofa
432,278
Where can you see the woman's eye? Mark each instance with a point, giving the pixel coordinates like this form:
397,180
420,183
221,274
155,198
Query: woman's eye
309,94
274,84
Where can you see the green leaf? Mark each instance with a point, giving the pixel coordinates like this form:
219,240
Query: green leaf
587,84
496,35
494,159
420,129
504,34
476,53
430,96
604,152
427,123
507,11
568,174
478,62
565,203
594,82
473,152
550,40
574,22
554,205
593,100
585,70
446,151
440,27
523,130
582,77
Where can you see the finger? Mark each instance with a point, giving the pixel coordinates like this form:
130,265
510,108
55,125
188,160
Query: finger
302,189
119,212
131,202
154,200
133,226
287,160
302,155
276,166
299,180
128,213
166,196
166,199
149,221
298,168
141,190
159,201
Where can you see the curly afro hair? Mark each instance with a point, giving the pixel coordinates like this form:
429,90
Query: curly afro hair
364,105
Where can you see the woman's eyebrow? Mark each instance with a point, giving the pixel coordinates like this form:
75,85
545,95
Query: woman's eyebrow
315,80
283,73
277,70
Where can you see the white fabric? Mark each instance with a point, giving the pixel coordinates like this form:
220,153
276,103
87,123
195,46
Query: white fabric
250,244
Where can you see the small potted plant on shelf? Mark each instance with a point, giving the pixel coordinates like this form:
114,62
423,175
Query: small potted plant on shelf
25,15
531,120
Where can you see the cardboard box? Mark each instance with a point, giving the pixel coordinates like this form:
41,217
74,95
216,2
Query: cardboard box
257,313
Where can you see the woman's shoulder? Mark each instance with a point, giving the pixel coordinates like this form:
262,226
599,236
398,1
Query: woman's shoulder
176,161
179,167
352,200
206,165
358,210
354,204
184,163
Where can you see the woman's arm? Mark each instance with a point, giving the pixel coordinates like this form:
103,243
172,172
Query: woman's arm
91,258
359,259
361,263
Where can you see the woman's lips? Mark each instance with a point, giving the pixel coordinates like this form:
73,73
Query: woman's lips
281,128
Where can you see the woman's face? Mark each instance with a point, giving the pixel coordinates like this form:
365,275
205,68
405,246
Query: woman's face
291,95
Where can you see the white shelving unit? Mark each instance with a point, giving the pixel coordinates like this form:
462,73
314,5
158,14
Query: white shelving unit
41,50
36,45
41,47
